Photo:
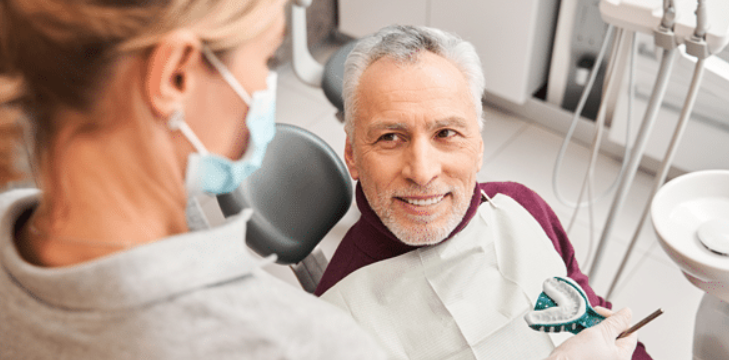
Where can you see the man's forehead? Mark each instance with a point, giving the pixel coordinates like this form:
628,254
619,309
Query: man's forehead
425,66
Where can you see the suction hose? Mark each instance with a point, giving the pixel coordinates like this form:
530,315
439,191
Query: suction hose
659,91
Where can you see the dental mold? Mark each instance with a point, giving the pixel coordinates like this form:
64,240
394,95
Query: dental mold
562,306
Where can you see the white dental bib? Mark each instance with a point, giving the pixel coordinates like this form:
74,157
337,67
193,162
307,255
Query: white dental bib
464,298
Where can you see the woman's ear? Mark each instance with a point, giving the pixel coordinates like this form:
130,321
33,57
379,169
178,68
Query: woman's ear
170,71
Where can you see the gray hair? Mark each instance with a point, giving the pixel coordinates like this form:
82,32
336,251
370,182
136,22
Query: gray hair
400,43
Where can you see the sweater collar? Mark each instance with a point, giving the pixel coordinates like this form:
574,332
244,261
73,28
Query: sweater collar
139,276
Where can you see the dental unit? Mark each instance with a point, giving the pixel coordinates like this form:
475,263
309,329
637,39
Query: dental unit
697,46
691,213
708,36
673,31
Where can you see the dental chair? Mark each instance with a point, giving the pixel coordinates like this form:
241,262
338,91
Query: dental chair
302,189
300,192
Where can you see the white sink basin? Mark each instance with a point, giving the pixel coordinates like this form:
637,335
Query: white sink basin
691,217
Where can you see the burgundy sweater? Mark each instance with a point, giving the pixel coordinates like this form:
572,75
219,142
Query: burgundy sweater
369,241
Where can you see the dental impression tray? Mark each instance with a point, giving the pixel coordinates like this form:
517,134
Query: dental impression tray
562,306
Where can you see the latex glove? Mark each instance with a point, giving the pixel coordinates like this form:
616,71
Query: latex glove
599,342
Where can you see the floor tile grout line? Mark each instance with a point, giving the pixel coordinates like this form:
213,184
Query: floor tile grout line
507,143
626,277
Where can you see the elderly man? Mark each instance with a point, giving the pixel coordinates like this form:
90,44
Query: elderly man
440,266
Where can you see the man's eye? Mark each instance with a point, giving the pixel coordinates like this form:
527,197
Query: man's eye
389,137
445,133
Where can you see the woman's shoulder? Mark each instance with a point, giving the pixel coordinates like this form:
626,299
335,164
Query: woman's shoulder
255,316
299,322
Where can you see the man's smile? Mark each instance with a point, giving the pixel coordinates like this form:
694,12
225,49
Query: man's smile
423,200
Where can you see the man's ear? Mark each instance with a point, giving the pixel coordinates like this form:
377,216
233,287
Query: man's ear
169,71
349,159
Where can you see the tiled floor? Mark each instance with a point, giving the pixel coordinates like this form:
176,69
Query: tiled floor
517,149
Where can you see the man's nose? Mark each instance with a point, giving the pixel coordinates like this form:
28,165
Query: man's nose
421,162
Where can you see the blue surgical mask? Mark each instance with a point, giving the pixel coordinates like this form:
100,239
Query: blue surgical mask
214,174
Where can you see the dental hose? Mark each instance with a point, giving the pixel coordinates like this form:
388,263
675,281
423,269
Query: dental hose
598,137
573,125
699,34
665,38
588,182
665,166
575,119
659,90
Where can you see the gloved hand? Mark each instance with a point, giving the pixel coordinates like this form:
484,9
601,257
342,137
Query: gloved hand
599,342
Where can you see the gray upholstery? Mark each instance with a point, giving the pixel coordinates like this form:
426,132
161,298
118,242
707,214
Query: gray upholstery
332,81
300,193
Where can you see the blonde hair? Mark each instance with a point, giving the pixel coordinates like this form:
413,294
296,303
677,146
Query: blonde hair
56,52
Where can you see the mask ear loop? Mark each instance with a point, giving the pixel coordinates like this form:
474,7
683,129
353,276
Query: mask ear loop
177,122
489,199
227,75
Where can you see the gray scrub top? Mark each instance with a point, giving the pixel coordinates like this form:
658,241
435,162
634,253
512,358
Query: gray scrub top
198,295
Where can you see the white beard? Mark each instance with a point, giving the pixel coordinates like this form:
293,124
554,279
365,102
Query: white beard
425,234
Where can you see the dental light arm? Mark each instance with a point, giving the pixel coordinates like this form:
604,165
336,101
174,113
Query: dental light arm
306,68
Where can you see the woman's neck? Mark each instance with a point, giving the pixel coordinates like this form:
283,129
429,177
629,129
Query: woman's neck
104,191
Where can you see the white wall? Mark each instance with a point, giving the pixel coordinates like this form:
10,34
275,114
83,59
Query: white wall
513,38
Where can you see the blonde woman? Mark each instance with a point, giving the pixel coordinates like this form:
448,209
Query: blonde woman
134,110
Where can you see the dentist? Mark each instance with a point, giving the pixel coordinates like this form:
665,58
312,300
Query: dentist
134,110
